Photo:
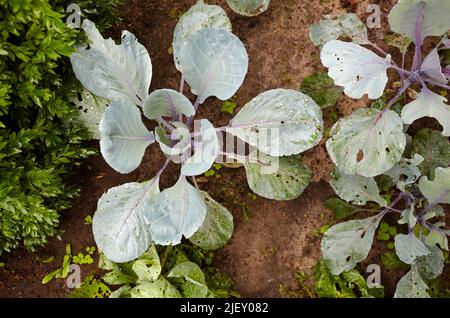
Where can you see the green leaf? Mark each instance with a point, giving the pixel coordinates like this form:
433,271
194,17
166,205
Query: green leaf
113,71
214,63
399,41
279,122
408,248
408,217
403,16
411,286
340,208
320,87
248,7
162,102
438,190
193,284
432,265
379,141
428,104
391,261
91,109
347,25
177,211
47,278
120,229
278,178
405,172
160,288
434,148
217,228
147,267
124,136
356,189
198,17
357,69
346,244
324,282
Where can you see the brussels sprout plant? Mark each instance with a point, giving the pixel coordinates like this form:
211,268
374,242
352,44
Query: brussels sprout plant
277,124
372,142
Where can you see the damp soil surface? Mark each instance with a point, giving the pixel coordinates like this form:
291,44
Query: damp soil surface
272,240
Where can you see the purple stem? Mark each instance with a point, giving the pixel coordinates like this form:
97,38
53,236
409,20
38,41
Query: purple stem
417,62
182,83
196,104
155,179
433,204
172,109
436,83
165,123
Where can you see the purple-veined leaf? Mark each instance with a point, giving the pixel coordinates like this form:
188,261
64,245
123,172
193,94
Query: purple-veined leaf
431,66
403,17
200,16
214,63
428,104
113,71
124,136
357,69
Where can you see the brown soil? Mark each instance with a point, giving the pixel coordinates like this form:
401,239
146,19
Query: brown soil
273,239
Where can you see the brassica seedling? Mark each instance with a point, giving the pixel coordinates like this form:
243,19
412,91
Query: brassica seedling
213,62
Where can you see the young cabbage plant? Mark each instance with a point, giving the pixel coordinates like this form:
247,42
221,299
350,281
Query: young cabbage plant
213,61
371,142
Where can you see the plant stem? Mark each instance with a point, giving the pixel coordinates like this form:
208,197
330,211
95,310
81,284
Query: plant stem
166,124
417,62
182,84
437,84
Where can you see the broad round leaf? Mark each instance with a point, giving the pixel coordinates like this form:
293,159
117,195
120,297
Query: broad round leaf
408,248
120,230
411,286
282,178
91,109
439,188
124,136
206,151
200,16
365,144
356,189
113,71
214,63
403,17
348,243
347,25
431,265
279,122
165,102
428,104
248,7
434,147
217,228
357,69
177,211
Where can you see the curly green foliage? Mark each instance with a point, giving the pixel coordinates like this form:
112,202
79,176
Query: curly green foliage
103,12
349,284
41,140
